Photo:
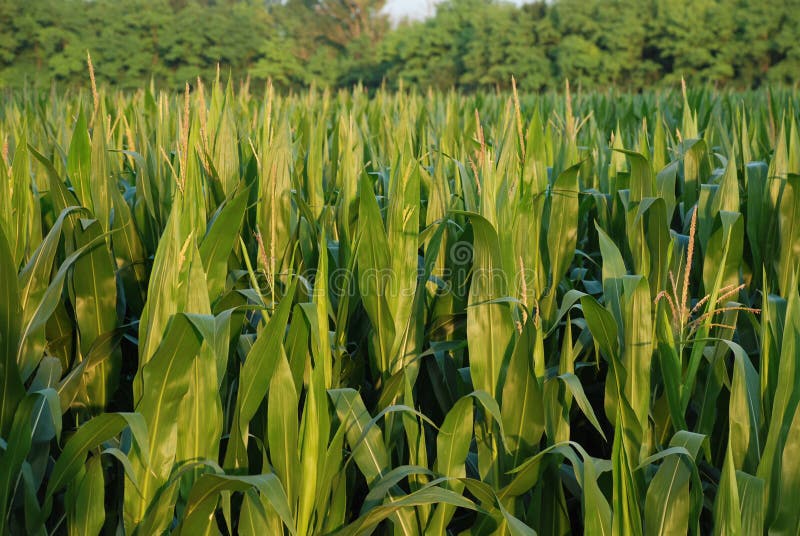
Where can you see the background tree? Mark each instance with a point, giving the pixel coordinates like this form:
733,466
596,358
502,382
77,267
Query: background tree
784,46
473,45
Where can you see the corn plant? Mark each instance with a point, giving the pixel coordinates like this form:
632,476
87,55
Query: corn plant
232,312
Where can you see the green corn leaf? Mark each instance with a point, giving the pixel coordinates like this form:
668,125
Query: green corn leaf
13,389
166,379
561,234
751,501
79,162
522,406
89,506
94,288
489,325
88,437
789,250
452,447
205,494
216,246
256,374
16,450
787,519
29,353
430,495
282,427
373,270
668,504
369,450
574,385
727,511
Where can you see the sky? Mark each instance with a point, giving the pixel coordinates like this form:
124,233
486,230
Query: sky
416,9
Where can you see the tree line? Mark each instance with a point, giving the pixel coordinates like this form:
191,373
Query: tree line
468,44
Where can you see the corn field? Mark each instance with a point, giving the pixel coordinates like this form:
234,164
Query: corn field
331,313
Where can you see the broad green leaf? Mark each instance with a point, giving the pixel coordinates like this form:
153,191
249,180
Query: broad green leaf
31,340
452,448
430,495
574,385
641,176
217,245
727,512
561,234
16,450
165,379
489,325
89,436
374,269
79,161
522,403
751,501
627,517
89,506
789,233
94,288
255,376
370,453
205,493
787,518
282,427
667,505
13,389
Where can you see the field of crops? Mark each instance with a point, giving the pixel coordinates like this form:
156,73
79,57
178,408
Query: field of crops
336,313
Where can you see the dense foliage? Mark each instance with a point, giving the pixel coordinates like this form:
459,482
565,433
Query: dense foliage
470,44
328,313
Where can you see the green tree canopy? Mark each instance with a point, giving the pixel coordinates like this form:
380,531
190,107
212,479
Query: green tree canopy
468,44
